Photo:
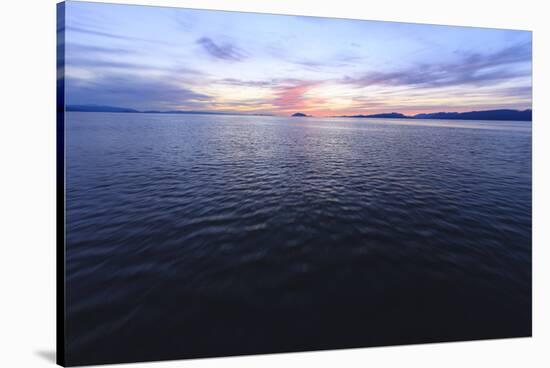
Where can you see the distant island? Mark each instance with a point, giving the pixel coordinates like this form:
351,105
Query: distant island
503,114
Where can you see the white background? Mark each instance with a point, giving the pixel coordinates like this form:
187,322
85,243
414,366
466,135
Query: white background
27,182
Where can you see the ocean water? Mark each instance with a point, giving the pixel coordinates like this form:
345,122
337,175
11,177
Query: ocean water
200,235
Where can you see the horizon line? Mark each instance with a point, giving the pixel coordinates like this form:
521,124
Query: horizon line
489,115
68,107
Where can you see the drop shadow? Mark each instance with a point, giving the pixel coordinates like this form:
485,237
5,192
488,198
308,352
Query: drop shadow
48,355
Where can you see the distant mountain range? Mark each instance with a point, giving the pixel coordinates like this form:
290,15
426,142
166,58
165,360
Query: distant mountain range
503,114
100,108
515,115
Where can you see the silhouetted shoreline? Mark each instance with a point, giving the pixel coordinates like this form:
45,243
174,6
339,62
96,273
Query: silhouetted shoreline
99,108
500,114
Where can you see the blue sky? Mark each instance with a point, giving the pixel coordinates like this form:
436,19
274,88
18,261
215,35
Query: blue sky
181,59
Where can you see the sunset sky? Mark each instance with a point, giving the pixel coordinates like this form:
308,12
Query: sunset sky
156,58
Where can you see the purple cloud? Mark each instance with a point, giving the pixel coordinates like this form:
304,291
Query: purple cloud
129,91
220,51
470,69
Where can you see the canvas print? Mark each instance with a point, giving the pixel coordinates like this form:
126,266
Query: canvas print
241,183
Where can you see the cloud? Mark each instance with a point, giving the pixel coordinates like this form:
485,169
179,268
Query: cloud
520,91
292,97
113,36
247,83
221,51
473,69
82,49
92,64
330,63
103,60
134,92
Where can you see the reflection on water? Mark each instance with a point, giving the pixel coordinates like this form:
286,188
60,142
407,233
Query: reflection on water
195,235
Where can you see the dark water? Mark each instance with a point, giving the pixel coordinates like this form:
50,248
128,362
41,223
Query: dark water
193,236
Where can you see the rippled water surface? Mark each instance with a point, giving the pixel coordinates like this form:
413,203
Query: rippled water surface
197,235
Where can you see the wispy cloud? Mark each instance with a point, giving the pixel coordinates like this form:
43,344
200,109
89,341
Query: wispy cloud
247,83
80,49
129,91
225,51
470,69
114,36
120,60
326,65
293,97
520,91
